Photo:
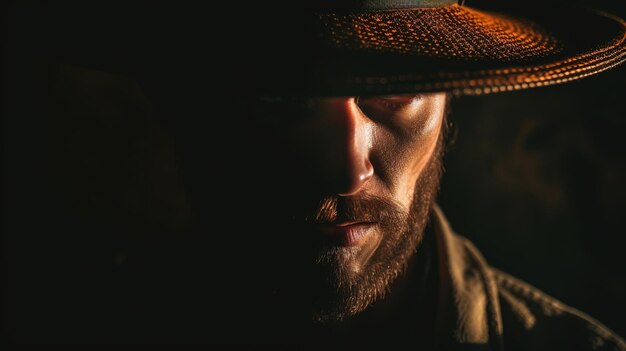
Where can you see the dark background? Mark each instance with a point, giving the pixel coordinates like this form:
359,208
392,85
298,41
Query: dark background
535,178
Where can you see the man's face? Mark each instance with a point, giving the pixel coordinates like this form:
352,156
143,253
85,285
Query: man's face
358,177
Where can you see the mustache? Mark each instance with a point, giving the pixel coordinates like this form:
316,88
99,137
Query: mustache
362,208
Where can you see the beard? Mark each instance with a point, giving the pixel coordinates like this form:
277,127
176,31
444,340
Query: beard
346,280
291,279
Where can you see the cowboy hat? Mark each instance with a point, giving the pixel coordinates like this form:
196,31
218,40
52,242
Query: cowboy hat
407,46
330,47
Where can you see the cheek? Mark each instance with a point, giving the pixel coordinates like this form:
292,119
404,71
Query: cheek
421,157
406,159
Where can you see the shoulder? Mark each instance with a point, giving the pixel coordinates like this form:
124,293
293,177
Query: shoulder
533,320
488,304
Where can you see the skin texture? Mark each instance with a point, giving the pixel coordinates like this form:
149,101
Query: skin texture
372,160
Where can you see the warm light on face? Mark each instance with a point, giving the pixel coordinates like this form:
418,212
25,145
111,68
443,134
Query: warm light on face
357,177
376,144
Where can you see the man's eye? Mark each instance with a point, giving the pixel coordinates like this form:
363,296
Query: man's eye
389,107
396,103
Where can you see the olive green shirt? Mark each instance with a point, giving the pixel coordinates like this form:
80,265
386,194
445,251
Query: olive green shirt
482,308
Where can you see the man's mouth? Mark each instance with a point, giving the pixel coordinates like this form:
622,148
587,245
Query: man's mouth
349,233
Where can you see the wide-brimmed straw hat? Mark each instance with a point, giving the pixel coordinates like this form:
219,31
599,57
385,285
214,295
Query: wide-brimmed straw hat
334,47
406,46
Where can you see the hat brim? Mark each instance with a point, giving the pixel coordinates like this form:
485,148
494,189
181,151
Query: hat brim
458,49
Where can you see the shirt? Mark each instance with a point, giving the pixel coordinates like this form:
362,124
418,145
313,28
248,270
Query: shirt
483,308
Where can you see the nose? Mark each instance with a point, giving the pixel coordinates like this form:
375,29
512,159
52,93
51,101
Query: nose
352,168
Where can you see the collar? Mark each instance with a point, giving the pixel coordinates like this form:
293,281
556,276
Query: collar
469,311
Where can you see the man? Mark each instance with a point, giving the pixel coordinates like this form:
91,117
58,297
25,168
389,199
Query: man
314,198
346,168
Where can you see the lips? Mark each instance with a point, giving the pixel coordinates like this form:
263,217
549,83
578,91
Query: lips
346,233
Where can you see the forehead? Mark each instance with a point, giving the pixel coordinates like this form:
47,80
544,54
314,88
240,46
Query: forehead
357,97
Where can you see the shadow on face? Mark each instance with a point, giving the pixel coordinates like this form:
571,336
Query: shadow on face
335,193
313,148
